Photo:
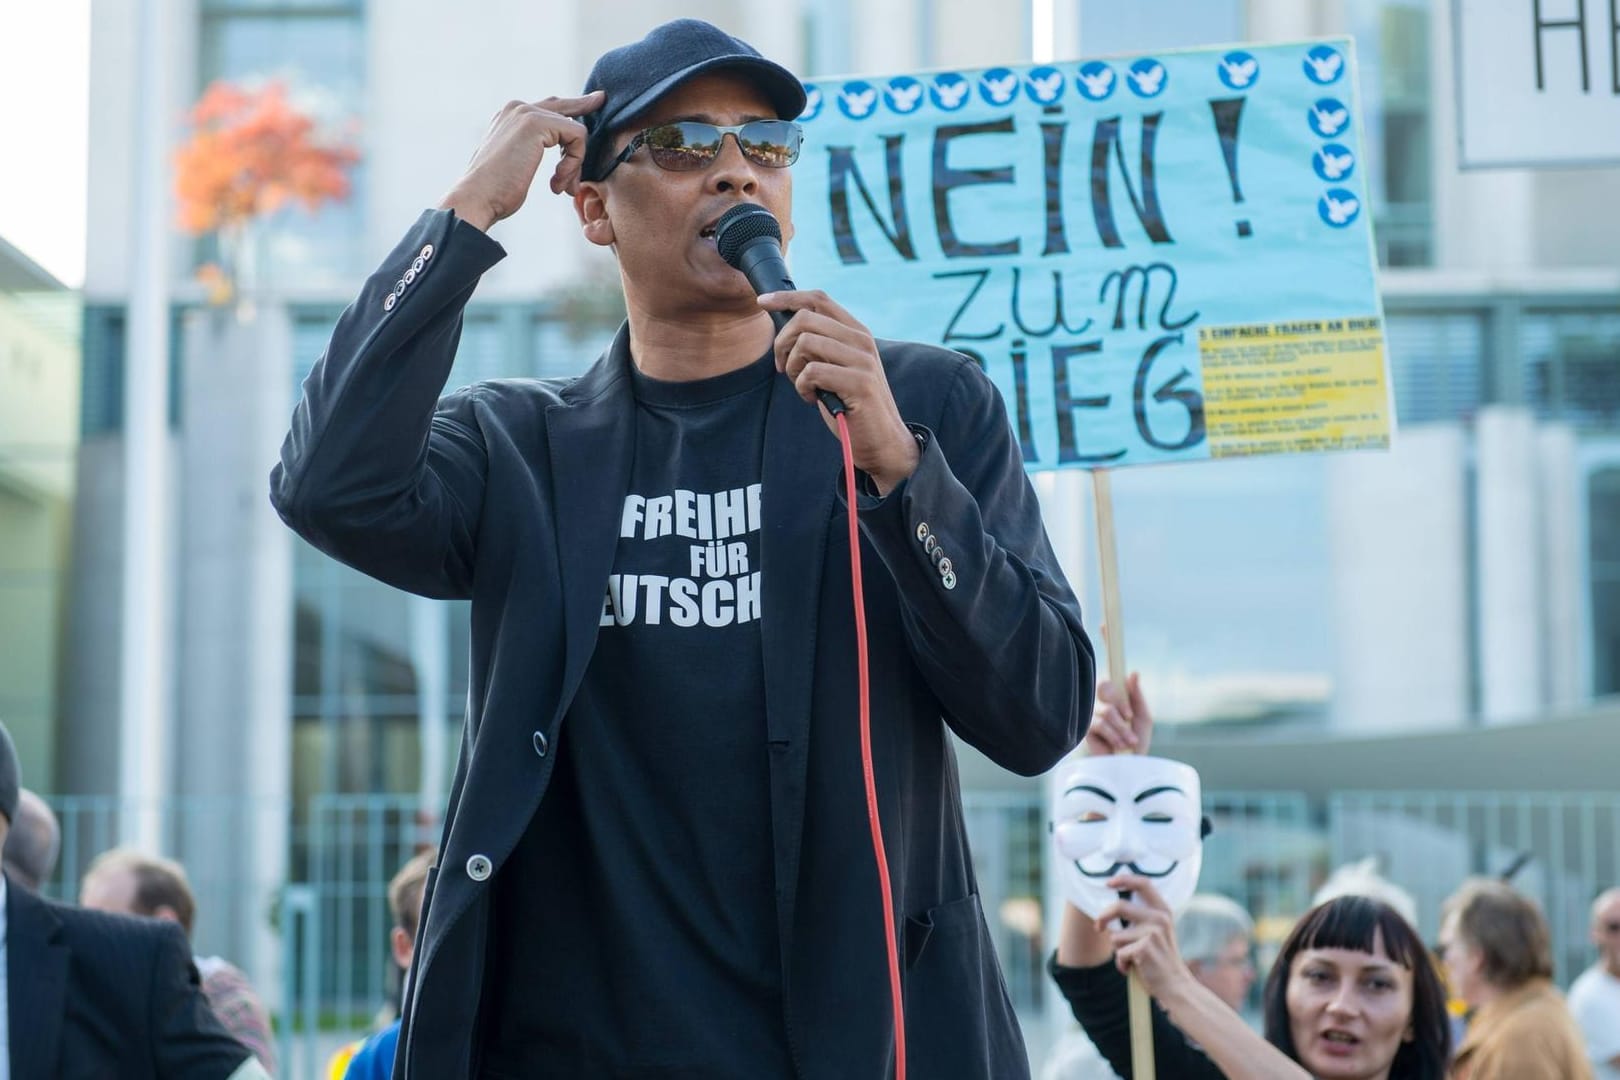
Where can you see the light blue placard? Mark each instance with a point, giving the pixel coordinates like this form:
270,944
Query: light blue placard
1074,225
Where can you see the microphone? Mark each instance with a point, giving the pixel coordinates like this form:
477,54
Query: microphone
750,241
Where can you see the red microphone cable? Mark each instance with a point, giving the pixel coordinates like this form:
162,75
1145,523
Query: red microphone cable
872,820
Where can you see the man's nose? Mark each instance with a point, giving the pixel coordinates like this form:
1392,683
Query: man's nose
732,171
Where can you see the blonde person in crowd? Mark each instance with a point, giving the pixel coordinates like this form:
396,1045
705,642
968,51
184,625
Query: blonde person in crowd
374,1060
1361,878
129,882
1595,997
1498,955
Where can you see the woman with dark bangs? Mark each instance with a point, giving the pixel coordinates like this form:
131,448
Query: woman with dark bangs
1352,996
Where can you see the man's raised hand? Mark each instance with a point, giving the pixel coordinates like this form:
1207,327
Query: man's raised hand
503,168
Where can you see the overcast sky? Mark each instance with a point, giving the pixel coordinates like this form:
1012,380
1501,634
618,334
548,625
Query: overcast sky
44,109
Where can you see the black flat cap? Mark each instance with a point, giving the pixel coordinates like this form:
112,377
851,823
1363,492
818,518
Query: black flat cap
10,779
636,75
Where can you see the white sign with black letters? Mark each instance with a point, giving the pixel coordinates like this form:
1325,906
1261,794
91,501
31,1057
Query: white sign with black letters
1538,82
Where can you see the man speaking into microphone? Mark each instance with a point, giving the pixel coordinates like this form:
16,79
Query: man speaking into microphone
656,859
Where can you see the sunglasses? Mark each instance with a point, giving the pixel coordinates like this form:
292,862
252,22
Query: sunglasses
688,145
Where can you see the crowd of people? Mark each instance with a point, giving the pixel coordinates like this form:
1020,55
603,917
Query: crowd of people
1354,994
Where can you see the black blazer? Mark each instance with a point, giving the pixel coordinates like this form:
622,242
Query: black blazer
93,995
509,493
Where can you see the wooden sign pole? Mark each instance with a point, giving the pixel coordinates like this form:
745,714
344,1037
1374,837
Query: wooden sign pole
1141,1012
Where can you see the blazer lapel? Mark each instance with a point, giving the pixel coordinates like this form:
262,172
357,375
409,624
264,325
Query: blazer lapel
798,487
36,983
592,445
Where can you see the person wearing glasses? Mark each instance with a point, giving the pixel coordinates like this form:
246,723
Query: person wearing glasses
1594,997
655,858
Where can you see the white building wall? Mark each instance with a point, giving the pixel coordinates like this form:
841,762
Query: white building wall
435,80
1484,219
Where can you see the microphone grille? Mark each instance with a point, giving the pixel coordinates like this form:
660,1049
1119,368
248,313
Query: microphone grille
742,224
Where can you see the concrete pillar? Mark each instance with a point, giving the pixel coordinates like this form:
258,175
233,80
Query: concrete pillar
1399,585
145,694
1508,544
1566,672
234,649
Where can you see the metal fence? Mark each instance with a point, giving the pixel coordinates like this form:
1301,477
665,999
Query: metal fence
330,970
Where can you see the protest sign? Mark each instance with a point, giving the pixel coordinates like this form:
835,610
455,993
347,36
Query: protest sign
1157,258
1538,83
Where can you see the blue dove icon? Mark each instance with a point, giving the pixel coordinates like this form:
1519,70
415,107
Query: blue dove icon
1147,78
857,100
1323,65
997,86
1334,162
1329,117
1239,70
1339,207
949,92
1044,85
904,94
812,103
1096,80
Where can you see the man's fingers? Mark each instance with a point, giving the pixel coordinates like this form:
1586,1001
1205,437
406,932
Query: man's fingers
573,106
808,300
1138,702
1115,697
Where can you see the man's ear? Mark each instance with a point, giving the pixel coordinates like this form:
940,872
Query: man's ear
402,946
590,203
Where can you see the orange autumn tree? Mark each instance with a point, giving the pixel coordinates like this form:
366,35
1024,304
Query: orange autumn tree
250,154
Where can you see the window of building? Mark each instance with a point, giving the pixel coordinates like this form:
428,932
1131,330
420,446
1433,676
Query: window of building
1392,50
101,401
1603,537
1436,361
1571,364
317,50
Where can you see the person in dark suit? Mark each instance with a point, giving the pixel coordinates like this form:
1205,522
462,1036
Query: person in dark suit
89,995
656,858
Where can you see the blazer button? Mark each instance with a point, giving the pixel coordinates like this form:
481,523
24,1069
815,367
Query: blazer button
389,301
410,274
922,531
418,264
478,867
427,252
945,567
541,745
931,544
948,579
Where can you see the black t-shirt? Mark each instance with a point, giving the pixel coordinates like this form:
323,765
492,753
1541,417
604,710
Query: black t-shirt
635,925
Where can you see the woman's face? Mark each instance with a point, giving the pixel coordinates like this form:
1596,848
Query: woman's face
1349,1011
